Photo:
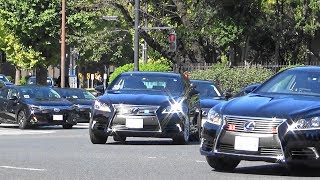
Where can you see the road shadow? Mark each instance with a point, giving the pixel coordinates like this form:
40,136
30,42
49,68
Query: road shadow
52,127
277,170
150,142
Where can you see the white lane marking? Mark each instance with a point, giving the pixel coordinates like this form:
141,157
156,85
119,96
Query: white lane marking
198,161
22,168
152,157
22,132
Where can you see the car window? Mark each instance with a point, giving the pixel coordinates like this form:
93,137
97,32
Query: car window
32,80
207,89
88,95
3,93
145,82
4,78
39,92
307,83
12,93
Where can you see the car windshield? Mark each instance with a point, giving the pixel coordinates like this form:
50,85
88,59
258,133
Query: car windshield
32,80
4,78
293,82
143,83
38,92
206,89
75,94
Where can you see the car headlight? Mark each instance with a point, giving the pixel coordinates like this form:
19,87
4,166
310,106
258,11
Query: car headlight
176,107
101,106
35,108
308,123
214,117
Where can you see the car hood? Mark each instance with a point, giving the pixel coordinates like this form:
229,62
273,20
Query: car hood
209,103
81,101
136,99
48,102
280,106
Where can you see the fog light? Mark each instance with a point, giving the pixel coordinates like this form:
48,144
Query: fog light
315,122
301,123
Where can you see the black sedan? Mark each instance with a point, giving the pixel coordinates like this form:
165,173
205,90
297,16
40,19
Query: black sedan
34,105
146,104
210,95
278,122
82,102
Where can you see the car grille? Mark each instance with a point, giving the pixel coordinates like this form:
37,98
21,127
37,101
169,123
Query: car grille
136,110
304,153
263,151
262,125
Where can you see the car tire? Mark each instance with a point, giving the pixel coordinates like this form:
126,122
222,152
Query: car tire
222,164
199,127
96,139
22,120
183,137
67,126
119,138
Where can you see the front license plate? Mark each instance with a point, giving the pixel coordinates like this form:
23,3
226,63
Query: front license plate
134,123
246,143
58,117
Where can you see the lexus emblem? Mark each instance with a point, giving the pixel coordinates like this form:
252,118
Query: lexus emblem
56,109
135,110
249,126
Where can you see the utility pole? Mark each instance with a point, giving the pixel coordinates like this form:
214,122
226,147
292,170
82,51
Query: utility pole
63,45
145,45
136,34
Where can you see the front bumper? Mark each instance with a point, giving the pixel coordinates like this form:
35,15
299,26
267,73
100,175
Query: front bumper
284,147
151,125
51,118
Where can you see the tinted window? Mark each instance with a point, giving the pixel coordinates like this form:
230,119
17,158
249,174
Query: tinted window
145,82
32,80
4,78
206,89
75,94
38,92
293,82
3,93
12,93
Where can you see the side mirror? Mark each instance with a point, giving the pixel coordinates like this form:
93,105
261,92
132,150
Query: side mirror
228,94
247,90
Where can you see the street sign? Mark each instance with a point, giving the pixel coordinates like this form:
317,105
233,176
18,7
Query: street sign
73,82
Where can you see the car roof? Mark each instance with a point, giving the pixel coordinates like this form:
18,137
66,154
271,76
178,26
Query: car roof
305,68
201,81
152,73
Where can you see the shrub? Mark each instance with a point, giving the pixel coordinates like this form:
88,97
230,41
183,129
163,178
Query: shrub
151,66
10,78
23,81
232,79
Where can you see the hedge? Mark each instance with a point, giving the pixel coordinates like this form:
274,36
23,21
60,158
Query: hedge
232,79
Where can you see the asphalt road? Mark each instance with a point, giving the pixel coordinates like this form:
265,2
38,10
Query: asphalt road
55,153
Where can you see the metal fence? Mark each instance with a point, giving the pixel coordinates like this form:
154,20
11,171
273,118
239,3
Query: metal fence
189,67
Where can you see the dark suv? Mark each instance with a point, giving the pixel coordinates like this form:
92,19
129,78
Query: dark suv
146,104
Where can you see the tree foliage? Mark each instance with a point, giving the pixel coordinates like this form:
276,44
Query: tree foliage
23,57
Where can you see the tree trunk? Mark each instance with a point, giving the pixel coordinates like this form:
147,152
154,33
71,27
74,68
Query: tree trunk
41,75
17,78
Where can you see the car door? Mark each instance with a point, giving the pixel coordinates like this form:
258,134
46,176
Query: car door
12,104
3,104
